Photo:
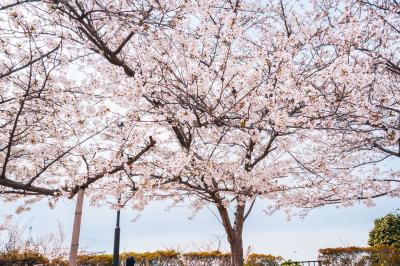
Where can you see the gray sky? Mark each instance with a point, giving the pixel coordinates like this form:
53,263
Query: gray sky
157,229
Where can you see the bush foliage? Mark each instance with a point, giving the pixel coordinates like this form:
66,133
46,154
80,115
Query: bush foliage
159,258
15,258
361,256
349,256
263,260
206,258
386,231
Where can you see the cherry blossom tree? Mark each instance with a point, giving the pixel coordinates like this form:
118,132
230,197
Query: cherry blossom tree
277,102
58,129
59,132
294,103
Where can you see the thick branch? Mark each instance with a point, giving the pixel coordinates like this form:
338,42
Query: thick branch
379,147
116,169
27,188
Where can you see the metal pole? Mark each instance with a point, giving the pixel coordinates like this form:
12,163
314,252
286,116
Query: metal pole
116,242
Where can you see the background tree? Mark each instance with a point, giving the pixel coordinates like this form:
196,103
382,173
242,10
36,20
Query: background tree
386,231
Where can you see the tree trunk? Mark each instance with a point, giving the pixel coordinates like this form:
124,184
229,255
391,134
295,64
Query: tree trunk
73,255
234,233
237,251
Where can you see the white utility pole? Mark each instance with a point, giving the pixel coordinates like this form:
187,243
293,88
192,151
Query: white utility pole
73,255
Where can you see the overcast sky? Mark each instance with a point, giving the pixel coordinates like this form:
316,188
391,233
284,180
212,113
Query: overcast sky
158,229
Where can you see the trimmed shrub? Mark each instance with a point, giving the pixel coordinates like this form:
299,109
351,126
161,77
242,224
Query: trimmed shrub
15,258
361,256
156,258
206,258
384,256
95,260
290,263
263,260
173,258
58,262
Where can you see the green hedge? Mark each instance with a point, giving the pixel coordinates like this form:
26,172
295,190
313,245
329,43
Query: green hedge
263,260
206,258
356,256
89,260
15,258
156,258
360,256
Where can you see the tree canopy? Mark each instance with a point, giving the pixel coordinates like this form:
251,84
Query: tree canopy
386,231
207,102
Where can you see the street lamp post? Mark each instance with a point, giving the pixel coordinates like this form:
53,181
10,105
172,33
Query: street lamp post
116,242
